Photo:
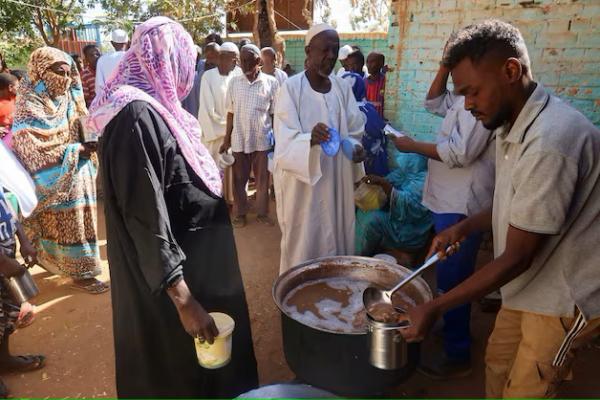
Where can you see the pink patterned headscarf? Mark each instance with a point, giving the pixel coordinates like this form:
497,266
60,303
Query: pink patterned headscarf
159,69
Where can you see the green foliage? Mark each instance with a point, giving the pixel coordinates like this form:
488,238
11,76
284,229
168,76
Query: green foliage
199,17
16,51
50,21
369,15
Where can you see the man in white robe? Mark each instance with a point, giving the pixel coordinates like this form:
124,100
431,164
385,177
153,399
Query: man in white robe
212,114
315,192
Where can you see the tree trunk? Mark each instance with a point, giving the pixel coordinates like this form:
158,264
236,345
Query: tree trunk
265,29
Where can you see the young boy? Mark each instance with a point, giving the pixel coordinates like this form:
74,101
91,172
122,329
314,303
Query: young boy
375,82
11,314
250,102
9,85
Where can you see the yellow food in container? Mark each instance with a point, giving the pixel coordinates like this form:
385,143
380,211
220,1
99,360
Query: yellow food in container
218,354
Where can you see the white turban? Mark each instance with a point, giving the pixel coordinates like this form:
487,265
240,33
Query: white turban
230,47
315,30
251,48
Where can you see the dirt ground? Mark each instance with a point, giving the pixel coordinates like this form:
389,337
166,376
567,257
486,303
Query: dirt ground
74,330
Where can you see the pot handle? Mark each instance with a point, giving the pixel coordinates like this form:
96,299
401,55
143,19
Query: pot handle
393,328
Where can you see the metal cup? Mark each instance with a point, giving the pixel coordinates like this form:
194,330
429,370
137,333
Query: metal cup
387,347
22,287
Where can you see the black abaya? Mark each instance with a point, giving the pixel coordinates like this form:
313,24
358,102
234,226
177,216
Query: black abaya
162,221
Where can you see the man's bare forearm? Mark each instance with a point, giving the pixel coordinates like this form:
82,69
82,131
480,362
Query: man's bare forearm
520,250
438,86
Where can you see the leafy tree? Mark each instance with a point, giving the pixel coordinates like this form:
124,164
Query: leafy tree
370,15
199,17
16,51
51,19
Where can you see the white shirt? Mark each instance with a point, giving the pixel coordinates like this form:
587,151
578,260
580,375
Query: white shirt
315,192
281,76
464,182
212,114
105,67
252,104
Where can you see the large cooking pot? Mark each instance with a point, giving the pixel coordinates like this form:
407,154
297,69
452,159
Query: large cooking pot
339,362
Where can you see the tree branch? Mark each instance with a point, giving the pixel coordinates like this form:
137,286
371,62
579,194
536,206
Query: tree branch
39,24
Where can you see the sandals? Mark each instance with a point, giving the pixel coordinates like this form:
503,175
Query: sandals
95,287
239,222
265,220
26,364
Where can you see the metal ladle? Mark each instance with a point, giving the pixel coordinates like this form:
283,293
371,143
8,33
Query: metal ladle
373,295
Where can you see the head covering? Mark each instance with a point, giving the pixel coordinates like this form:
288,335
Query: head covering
119,36
230,47
198,50
345,51
315,30
39,70
251,48
159,69
358,85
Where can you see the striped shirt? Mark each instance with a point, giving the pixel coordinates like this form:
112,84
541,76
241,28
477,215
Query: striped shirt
251,104
376,92
88,81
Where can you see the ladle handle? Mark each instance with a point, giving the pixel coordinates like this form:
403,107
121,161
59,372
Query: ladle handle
432,260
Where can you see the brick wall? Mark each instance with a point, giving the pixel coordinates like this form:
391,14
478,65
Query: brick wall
563,38
294,52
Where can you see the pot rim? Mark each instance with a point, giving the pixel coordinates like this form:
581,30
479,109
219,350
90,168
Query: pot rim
292,270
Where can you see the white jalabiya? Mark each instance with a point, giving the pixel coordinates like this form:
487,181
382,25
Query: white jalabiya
212,114
17,180
315,192
281,76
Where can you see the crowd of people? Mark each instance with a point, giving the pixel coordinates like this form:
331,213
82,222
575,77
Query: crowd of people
184,130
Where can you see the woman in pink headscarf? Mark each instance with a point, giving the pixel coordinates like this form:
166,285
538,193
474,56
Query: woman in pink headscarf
171,248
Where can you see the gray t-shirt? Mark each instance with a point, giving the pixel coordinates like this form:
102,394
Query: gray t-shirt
548,181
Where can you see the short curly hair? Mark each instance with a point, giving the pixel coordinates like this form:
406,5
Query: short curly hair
477,40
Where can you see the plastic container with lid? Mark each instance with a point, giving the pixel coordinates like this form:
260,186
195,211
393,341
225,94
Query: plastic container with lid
218,354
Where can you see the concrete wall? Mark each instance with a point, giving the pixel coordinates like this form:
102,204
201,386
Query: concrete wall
294,52
563,38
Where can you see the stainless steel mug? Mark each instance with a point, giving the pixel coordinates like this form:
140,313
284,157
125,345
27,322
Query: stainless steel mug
22,287
387,347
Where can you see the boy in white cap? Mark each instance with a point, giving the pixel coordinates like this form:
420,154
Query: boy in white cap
344,55
314,191
108,62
